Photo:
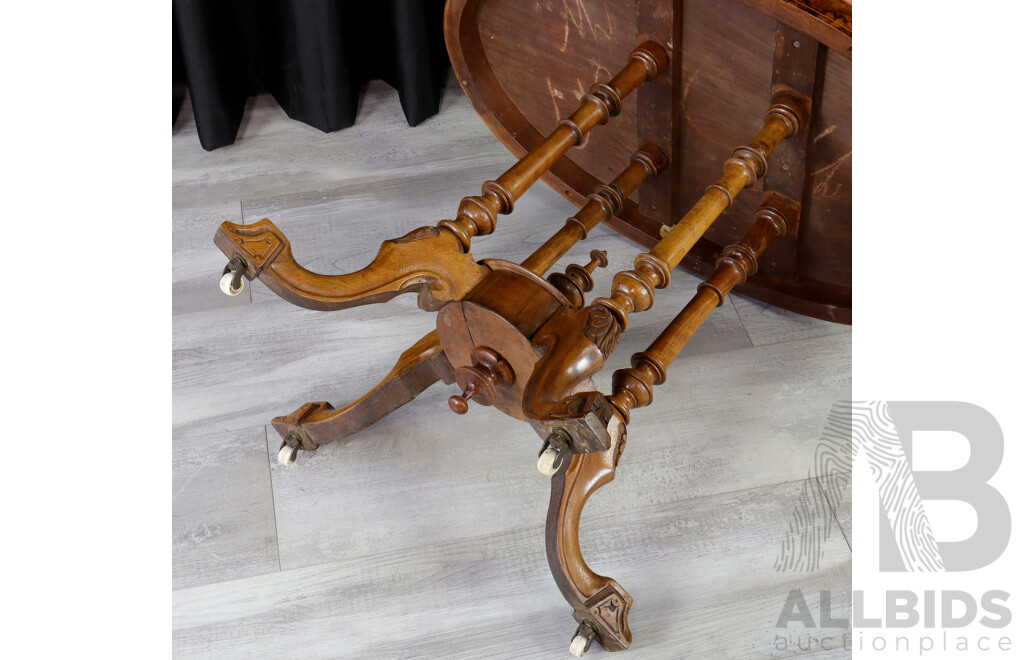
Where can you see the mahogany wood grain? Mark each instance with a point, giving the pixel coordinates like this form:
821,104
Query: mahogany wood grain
568,47
825,231
720,77
726,78
798,64
489,90
659,115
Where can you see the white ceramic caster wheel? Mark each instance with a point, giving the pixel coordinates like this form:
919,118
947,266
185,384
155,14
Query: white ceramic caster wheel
225,284
287,455
579,646
548,462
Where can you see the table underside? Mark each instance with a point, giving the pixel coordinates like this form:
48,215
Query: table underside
526,65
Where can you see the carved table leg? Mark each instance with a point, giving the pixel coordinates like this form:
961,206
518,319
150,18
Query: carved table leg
432,261
318,423
599,604
428,260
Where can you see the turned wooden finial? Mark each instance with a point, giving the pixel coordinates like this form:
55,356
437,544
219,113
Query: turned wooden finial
487,371
459,403
578,280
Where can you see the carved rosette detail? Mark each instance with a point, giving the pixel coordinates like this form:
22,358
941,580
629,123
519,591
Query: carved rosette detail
602,329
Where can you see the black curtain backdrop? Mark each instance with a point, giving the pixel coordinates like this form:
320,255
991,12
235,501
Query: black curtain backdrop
314,56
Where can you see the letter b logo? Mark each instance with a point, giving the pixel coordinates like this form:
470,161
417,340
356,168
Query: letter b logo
906,542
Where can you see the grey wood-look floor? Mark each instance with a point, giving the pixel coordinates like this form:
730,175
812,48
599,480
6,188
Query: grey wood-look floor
423,536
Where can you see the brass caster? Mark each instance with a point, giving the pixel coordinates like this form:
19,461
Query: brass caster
581,642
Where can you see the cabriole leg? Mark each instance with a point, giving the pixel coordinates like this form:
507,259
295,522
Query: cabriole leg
318,423
600,605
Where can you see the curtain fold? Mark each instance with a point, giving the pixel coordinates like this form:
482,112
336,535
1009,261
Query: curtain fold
313,56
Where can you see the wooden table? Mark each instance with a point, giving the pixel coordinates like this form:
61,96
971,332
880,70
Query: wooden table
524,65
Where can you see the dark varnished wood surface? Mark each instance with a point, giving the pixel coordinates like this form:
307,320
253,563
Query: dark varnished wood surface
524,65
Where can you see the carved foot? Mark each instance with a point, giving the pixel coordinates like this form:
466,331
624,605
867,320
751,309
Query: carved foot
428,260
318,423
599,603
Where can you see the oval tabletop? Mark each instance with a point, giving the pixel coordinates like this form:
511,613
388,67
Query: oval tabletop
526,64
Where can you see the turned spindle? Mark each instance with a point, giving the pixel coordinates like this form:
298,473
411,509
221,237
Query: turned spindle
479,381
605,202
578,280
634,387
633,290
478,214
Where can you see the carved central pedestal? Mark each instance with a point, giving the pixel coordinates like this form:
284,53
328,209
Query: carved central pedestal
529,345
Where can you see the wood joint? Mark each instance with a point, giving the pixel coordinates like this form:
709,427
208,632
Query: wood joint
653,55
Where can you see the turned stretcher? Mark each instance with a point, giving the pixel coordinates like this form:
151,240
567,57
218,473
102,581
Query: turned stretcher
691,76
